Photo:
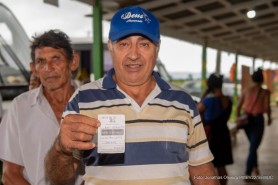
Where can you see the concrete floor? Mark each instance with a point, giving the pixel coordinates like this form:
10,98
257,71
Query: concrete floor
268,156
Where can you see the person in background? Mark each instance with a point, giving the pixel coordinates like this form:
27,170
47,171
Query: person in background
33,119
34,81
164,140
254,131
216,109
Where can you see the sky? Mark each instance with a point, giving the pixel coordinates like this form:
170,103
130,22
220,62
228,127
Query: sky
176,55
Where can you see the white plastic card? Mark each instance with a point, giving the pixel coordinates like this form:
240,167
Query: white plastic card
111,133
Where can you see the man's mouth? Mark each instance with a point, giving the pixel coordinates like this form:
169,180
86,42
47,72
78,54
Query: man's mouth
133,66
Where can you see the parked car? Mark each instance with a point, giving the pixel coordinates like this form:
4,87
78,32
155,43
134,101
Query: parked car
12,82
193,87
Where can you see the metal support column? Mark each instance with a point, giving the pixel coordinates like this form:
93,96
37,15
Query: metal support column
97,49
204,67
235,97
253,64
218,62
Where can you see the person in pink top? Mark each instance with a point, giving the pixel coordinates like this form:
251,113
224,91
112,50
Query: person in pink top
256,101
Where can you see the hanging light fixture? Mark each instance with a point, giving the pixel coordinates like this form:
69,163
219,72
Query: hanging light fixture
251,14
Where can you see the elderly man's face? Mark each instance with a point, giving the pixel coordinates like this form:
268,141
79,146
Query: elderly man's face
52,67
134,58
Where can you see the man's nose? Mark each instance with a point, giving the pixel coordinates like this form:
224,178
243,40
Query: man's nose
134,52
48,66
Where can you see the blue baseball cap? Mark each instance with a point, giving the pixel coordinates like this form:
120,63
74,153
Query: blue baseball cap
134,20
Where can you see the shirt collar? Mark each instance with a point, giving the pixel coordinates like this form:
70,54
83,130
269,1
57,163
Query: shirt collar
109,83
37,95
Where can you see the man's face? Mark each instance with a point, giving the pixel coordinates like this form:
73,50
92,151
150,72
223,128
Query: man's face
134,58
52,67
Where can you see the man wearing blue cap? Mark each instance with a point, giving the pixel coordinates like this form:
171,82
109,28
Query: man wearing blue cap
148,131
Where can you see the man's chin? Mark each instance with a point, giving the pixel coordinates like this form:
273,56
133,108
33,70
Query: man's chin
51,87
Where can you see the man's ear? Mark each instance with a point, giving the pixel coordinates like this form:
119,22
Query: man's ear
109,45
158,48
75,62
33,69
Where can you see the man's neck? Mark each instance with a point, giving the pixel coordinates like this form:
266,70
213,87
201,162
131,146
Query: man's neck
58,99
139,93
59,95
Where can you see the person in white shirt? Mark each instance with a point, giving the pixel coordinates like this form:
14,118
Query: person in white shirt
33,119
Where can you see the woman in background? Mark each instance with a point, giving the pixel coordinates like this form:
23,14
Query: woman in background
254,131
215,109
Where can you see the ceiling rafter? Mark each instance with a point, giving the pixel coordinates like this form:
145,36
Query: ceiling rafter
222,23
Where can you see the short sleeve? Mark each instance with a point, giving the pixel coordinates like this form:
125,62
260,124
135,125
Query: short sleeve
199,152
9,136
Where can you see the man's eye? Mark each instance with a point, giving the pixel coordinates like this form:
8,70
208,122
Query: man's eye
144,44
56,58
41,62
123,44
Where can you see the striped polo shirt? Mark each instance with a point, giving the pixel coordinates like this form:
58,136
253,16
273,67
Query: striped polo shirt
163,136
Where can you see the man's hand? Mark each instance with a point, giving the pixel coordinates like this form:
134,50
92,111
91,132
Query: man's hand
77,132
13,174
203,174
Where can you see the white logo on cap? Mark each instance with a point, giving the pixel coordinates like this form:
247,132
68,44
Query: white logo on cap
129,15
147,19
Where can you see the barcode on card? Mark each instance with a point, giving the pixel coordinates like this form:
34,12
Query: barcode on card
109,132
